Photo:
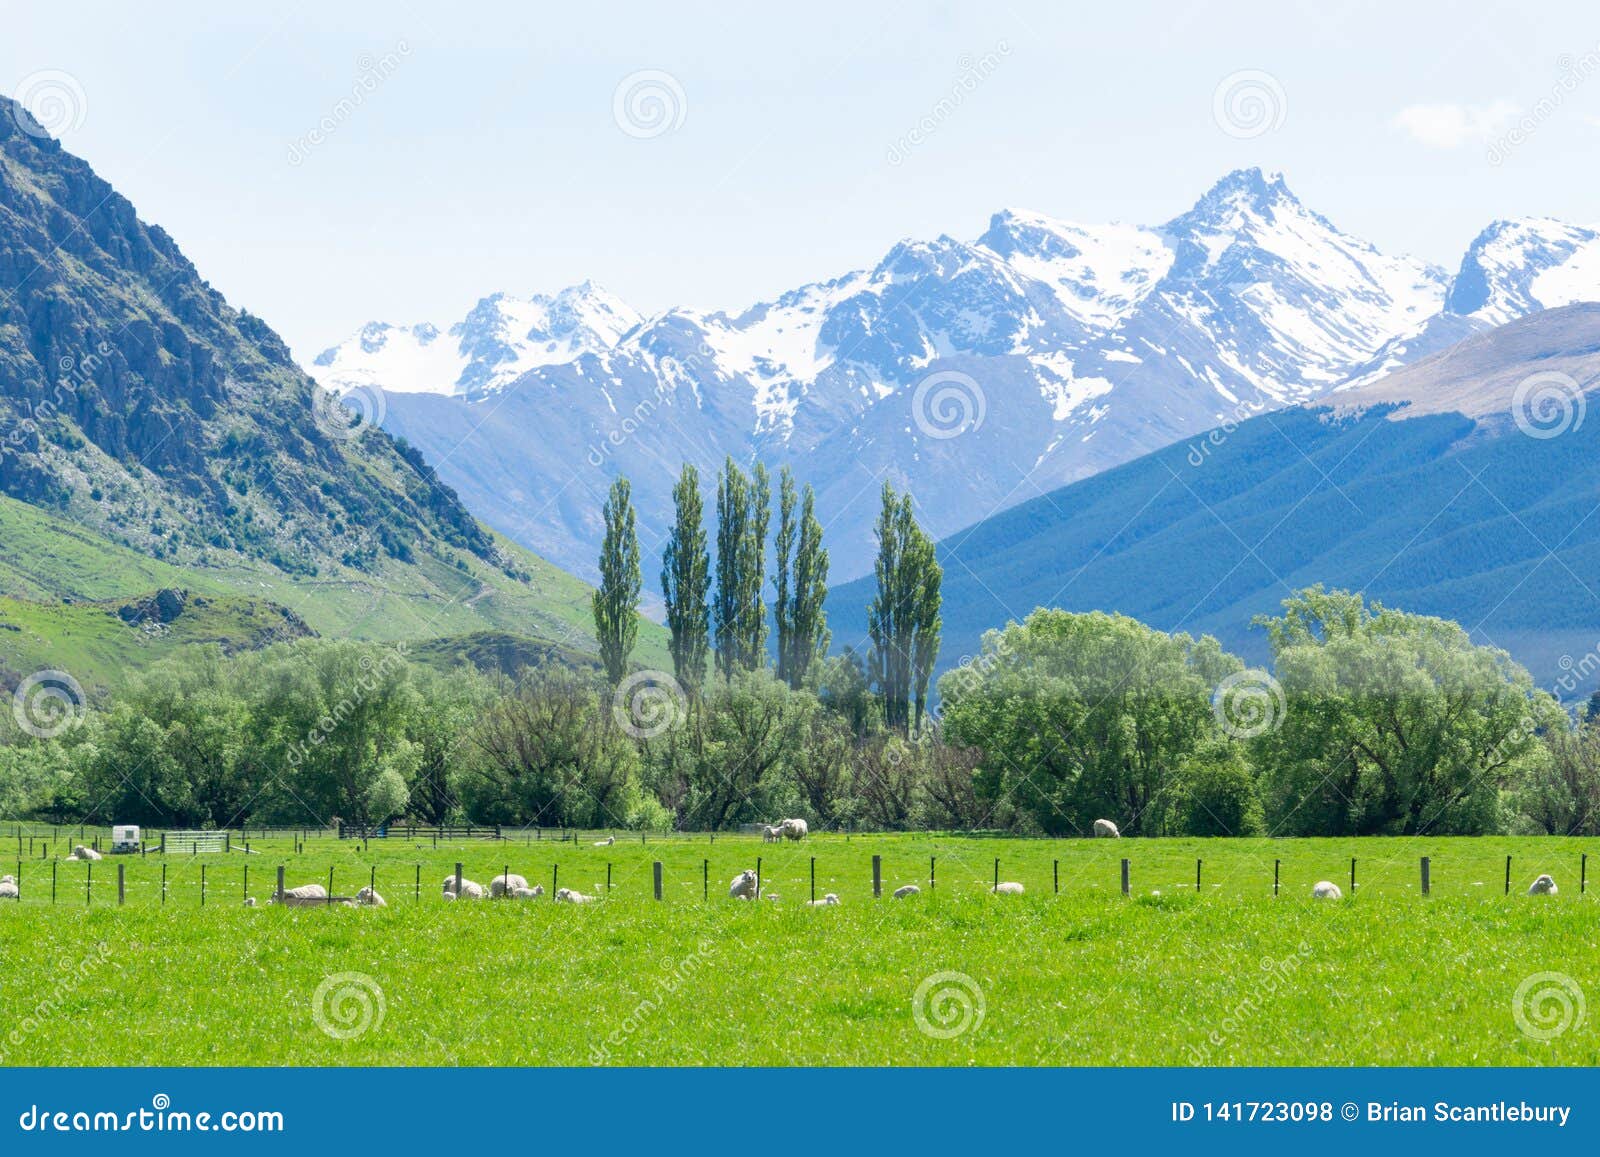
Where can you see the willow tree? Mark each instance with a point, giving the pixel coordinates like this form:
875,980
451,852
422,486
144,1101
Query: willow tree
616,601
903,619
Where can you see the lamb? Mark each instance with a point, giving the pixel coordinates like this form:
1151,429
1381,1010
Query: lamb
743,886
827,901
532,893
605,843
1008,888
793,829
1543,886
568,896
369,898
79,852
9,889
503,883
1107,829
770,835
305,896
1326,890
908,890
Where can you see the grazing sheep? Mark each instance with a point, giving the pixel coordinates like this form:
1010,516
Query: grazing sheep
532,893
1008,888
79,852
1106,828
743,886
908,890
504,883
1543,886
605,843
793,829
770,835
1326,890
369,898
305,896
568,896
827,901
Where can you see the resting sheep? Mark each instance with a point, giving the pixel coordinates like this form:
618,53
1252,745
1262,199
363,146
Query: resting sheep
369,898
908,890
469,889
743,886
568,896
249,901
793,829
532,893
827,901
1326,890
605,843
503,883
8,888
79,852
305,896
1543,886
1008,888
1106,828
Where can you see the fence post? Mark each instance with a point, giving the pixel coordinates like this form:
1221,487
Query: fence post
608,877
1426,882
203,885
1125,882
813,879
1352,875
705,879
877,877
122,885
996,887
932,872
53,864
758,877
1197,875
277,896
1583,875
88,885
555,874
247,880
658,879
1055,876
418,885
164,882
163,843
1508,875
458,880
372,883
330,883
1275,866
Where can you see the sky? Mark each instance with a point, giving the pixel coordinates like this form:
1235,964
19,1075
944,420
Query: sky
325,165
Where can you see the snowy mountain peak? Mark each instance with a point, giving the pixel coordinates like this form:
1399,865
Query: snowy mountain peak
1515,267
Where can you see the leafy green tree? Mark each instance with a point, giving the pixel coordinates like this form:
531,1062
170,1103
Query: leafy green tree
685,580
616,602
802,623
1396,723
1560,794
744,510
1081,717
903,619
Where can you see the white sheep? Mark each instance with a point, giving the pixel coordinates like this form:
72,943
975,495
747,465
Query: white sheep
827,901
1107,829
249,901
532,893
1326,890
9,889
305,896
471,891
1008,888
503,883
773,896
79,852
908,890
770,835
568,896
743,886
793,829
605,843
369,898
1543,886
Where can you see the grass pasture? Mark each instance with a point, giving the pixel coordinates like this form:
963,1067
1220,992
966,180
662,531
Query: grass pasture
1227,975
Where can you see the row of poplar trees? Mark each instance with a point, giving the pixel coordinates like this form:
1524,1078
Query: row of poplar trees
729,620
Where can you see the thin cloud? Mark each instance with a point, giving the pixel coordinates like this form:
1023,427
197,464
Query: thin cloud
1450,126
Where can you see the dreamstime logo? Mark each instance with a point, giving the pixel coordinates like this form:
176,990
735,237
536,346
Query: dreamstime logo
972,72
1547,404
948,404
54,100
371,72
48,703
648,704
347,1005
948,1004
1547,1004
1249,104
1248,703
344,416
649,103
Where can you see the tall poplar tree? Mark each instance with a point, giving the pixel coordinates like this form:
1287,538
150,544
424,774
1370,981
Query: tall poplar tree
733,518
903,619
685,583
616,601
802,624
783,549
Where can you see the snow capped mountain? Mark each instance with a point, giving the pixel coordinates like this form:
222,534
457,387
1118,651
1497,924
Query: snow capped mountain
978,373
502,338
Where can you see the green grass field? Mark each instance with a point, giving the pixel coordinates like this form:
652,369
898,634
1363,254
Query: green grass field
1226,976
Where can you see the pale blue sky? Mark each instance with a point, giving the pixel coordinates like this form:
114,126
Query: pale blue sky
490,158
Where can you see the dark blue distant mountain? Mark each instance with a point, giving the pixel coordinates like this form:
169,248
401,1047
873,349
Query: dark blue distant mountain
1466,486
